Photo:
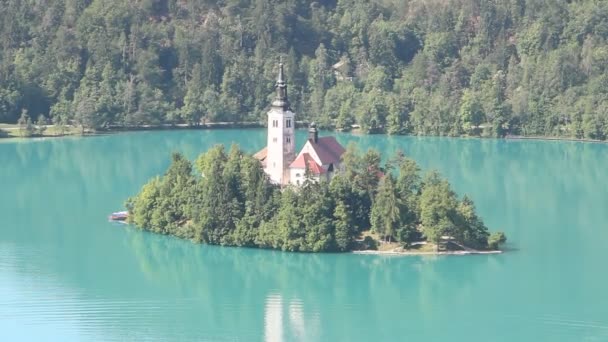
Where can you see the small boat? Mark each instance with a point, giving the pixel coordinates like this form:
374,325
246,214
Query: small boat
119,216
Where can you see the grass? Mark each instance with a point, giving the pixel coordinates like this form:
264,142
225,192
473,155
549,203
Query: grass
14,131
426,248
398,247
382,246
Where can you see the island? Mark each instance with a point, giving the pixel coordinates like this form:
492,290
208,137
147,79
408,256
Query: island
325,198
225,198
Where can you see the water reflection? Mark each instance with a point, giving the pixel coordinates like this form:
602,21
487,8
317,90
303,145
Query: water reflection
273,319
292,327
303,297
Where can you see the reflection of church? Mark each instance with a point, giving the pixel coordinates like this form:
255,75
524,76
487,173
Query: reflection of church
285,320
320,156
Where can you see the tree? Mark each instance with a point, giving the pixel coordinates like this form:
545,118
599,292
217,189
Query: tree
59,122
408,187
397,118
496,239
386,209
471,111
194,105
26,129
435,69
229,200
470,229
141,207
343,225
41,124
437,208
9,99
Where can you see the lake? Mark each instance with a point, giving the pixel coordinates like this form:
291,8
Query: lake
67,274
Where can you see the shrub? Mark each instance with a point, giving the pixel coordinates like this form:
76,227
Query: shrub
496,239
370,243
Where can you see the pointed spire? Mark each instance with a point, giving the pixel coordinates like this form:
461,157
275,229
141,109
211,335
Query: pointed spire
313,133
281,78
281,100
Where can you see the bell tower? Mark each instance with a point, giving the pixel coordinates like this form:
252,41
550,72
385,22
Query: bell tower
281,134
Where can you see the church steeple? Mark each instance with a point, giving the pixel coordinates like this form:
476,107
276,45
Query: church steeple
281,134
281,100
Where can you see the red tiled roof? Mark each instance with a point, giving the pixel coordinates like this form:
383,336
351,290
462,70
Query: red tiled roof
261,154
328,149
305,160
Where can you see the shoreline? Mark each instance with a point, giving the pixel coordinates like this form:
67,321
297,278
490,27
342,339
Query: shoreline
11,131
6,129
391,253
523,137
414,253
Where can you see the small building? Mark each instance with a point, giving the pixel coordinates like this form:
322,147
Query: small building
320,158
342,70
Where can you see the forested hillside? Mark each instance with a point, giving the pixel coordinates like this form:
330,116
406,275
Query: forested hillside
443,67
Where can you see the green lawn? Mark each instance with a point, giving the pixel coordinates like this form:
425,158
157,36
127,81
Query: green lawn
14,131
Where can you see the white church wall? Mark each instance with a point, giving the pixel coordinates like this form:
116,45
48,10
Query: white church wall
281,144
296,176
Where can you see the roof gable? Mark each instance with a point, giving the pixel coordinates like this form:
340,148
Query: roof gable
328,150
304,161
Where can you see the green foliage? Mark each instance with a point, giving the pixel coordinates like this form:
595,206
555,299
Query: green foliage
471,112
344,226
229,200
437,207
165,205
41,124
496,239
387,209
369,243
26,128
442,67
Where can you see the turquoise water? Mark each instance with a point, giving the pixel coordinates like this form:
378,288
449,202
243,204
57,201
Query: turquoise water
67,274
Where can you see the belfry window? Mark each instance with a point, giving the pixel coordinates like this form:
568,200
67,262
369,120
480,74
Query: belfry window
275,123
288,123
288,140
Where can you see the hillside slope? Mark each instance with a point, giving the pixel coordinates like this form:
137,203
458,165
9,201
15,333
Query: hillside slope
441,67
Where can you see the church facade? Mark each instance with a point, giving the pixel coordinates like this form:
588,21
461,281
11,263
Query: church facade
320,158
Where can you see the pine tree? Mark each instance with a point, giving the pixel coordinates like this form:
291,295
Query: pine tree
343,226
194,105
386,209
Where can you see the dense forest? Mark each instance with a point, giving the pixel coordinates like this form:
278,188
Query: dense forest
229,200
441,67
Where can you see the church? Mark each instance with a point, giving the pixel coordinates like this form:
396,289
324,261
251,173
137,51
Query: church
320,156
